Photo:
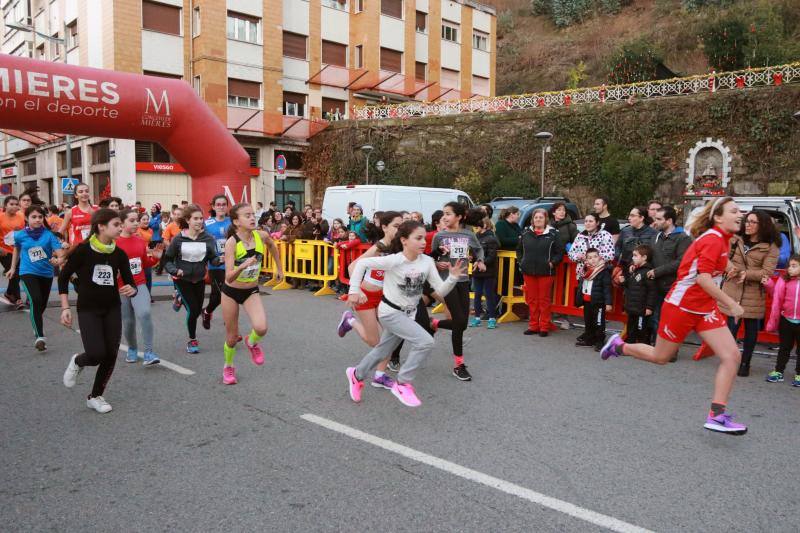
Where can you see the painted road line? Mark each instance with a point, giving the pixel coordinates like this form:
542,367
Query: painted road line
166,364
538,498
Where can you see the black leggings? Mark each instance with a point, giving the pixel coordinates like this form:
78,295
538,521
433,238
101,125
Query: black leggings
215,298
101,331
13,284
790,336
751,326
38,290
192,295
457,302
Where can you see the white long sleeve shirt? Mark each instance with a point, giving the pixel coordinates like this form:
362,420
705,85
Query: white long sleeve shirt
403,280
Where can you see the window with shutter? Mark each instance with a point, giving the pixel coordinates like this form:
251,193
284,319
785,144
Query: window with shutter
480,85
244,93
334,54
422,22
451,79
161,17
294,45
333,109
391,60
392,8
294,104
253,153
420,71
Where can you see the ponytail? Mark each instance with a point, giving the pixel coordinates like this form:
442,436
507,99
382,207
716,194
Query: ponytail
704,220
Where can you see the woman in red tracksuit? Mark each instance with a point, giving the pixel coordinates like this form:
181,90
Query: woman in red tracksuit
692,305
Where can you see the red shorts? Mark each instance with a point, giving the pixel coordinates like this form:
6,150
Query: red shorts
676,324
373,300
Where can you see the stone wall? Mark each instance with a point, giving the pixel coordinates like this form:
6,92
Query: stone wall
481,150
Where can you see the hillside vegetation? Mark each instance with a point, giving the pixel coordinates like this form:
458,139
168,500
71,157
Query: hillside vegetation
555,44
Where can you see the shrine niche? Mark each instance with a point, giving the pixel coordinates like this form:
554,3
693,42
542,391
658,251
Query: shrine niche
709,168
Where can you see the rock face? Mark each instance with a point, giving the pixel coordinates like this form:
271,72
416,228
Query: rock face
755,125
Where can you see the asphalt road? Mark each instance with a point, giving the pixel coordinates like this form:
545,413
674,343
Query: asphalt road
543,418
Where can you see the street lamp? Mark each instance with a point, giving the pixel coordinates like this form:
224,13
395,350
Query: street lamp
380,166
367,149
544,136
30,29
796,116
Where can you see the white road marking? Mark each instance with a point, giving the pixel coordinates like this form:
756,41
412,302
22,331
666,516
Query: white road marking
538,498
166,364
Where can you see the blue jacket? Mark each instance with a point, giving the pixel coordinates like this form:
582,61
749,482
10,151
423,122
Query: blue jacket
155,225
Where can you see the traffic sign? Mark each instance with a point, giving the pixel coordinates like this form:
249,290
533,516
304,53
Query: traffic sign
68,185
280,166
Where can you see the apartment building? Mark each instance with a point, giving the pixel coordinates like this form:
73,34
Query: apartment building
274,71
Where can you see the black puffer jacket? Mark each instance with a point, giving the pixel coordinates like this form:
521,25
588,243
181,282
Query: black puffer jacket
668,251
539,255
640,291
567,230
601,289
490,245
630,238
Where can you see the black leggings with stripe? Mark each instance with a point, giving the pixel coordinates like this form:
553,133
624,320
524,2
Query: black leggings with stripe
38,290
457,302
192,295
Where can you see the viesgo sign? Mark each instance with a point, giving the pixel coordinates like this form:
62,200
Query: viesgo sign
160,167
57,98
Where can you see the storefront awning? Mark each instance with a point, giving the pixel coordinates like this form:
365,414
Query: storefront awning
241,120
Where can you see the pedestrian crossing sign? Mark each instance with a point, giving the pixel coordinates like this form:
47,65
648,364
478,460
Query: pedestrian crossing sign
68,185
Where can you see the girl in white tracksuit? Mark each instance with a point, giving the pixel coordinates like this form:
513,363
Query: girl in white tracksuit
404,278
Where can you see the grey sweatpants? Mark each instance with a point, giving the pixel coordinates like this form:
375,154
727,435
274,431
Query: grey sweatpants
137,309
398,326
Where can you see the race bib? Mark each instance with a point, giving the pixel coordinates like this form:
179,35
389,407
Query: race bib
36,254
220,246
251,271
193,252
103,275
459,250
136,265
85,233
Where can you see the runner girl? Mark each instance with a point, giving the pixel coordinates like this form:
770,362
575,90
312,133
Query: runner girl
405,273
367,325
97,262
692,305
137,308
36,251
218,228
11,220
77,223
451,245
245,250
186,259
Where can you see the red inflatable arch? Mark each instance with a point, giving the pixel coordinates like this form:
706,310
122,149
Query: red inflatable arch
57,98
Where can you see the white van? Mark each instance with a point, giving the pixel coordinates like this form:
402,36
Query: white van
389,198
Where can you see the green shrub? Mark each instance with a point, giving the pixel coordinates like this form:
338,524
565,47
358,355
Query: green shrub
627,176
725,42
633,62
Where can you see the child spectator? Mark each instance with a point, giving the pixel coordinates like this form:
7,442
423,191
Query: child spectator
484,284
594,294
785,318
640,295
351,242
276,235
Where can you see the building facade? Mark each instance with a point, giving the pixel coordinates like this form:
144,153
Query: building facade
273,71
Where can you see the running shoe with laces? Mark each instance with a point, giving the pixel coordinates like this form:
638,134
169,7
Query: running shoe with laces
723,423
193,346
345,323
775,377
207,319
256,353
796,381
71,373
150,358
176,303
354,384
229,375
612,348
133,355
393,366
461,373
492,323
40,344
405,393
474,322
382,382
21,306
99,404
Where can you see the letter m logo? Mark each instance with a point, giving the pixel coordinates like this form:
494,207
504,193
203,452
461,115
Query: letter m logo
163,102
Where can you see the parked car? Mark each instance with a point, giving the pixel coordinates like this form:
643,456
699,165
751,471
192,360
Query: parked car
527,205
374,198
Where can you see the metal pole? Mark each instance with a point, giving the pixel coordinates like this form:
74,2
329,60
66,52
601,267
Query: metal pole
367,169
541,190
67,138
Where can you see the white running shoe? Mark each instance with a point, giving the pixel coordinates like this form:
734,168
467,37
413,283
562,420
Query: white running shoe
71,373
99,404
41,344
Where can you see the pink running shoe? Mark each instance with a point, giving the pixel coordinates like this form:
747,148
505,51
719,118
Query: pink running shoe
354,384
229,375
405,393
256,353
